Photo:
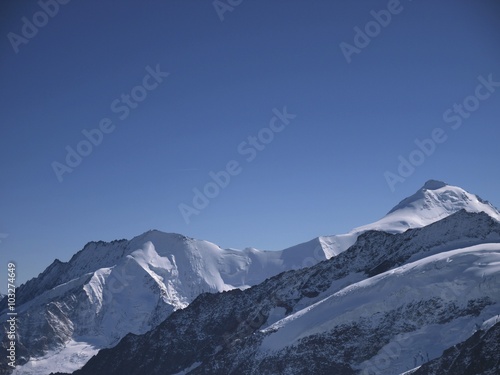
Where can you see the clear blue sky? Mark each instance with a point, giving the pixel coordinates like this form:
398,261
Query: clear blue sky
323,174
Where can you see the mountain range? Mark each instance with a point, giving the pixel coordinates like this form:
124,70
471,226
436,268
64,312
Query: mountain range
388,297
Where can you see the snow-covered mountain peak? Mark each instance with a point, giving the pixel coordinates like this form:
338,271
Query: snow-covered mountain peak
437,197
174,242
432,202
434,185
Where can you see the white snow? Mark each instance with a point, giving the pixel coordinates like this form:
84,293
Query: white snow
72,357
490,322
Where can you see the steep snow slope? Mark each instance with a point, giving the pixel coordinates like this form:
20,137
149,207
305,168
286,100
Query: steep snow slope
382,305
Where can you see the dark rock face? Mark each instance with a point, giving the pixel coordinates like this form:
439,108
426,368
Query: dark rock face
220,333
